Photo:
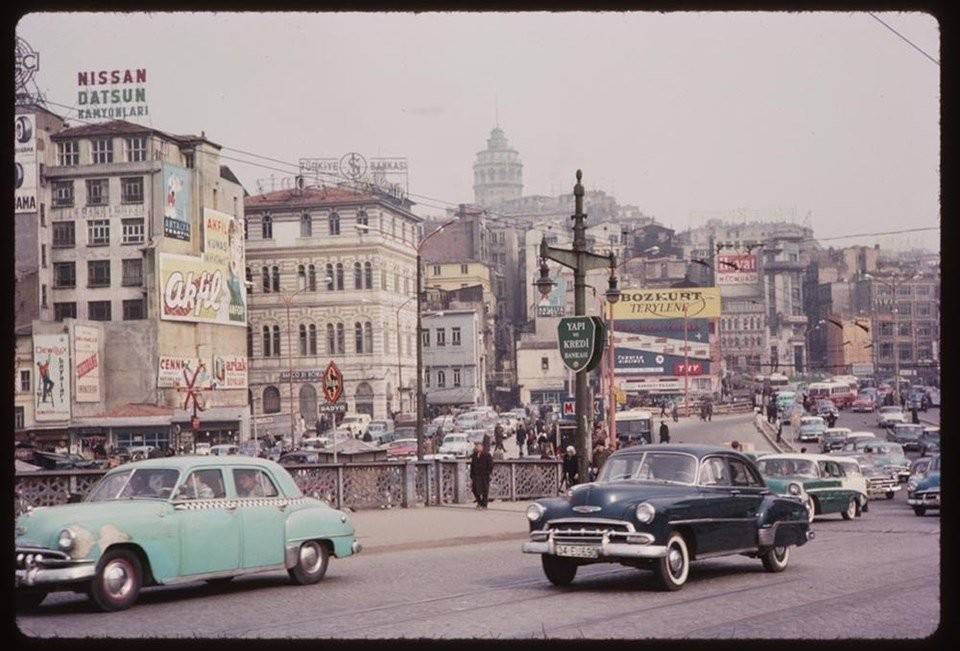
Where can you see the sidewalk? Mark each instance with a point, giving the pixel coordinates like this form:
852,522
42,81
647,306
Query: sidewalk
423,527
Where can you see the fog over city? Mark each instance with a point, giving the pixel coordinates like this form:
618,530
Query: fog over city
823,118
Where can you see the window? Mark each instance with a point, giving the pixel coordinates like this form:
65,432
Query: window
357,275
455,336
341,339
135,149
250,345
132,231
63,311
363,337
266,341
98,310
275,278
312,339
98,273
362,218
436,270
19,421
246,227
102,150
312,278
544,363
464,269
62,194
64,275
25,380
358,336
266,227
68,153
306,225
425,338
134,310
426,377
98,232
266,278
368,275
339,276
132,274
302,340
276,340
64,235
131,189
331,340
456,377
329,277
271,400
441,379
301,277
333,223
441,336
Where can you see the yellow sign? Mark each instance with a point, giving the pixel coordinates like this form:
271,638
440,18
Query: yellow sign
668,303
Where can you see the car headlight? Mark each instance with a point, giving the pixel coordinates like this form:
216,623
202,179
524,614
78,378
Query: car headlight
65,540
535,512
646,512
911,485
794,489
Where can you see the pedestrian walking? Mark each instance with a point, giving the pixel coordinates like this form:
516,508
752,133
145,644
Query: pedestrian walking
675,413
531,442
571,467
709,410
663,408
521,439
664,432
498,438
481,469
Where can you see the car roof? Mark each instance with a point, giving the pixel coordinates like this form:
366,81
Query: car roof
698,450
811,456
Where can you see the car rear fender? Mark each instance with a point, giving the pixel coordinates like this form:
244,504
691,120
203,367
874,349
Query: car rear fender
324,524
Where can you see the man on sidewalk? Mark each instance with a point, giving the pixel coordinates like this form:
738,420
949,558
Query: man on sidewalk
481,468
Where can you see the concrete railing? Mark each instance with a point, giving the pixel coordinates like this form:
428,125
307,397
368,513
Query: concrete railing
355,485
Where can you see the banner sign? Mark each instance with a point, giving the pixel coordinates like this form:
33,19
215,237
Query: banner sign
633,361
223,248
25,163
176,202
554,303
229,372
86,363
52,357
192,289
689,303
112,94
737,269
696,329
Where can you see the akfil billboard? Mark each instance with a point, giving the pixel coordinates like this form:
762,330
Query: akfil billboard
51,354
25,163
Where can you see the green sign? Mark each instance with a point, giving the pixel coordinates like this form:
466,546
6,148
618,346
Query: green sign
581,342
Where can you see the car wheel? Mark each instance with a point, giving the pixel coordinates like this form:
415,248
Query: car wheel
851,511
117,581
559,571
775,559
889,495
811,509
312,561
672,570
30,600
920,510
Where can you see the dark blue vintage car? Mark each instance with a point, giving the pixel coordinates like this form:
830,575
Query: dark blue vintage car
659,507
923,492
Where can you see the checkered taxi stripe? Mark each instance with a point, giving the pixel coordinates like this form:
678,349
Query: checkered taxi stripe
220,503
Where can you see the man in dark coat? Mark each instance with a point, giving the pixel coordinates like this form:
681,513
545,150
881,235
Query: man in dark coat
664,432
481,469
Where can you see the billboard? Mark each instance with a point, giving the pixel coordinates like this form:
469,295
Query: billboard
112,94
223,372
194,290
25,163
554,303
176,202
86,363
51,354
673,303
737,269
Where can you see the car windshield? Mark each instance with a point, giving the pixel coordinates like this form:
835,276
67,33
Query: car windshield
665,467
156,483
787,467
851,468
908,432
454,439
890,410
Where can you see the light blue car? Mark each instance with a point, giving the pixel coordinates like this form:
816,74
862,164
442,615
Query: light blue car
176,520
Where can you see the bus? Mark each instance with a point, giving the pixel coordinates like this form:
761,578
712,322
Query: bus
839,392
634,426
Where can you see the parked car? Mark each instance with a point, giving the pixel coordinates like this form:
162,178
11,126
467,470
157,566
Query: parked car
819,482
402,449
152,522
865,402
919,468
833,438
881,482
890,457
906,434
299,457
826,407
933,395
65,461
855,441
457,445
201,447
660,507
810,429
889,415
224,449
356,424
924,493
404,432
929,441
379,432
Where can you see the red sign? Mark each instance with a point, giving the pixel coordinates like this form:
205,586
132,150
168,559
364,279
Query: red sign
332,383
569,408
693,368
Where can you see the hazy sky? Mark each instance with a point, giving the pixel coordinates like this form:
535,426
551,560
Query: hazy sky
685,115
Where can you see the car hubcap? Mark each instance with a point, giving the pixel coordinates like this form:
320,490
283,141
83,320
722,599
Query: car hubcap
675,560
309,558
116,580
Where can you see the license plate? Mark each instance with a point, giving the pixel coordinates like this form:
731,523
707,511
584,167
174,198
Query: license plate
577,551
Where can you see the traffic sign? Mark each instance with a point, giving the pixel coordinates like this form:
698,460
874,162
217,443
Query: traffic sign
580,340
332,383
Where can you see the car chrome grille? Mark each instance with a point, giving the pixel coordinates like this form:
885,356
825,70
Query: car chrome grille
586,531
31,556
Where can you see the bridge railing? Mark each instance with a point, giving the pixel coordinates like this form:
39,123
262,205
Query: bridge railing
352,485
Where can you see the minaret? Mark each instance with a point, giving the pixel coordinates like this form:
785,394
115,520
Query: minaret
497,172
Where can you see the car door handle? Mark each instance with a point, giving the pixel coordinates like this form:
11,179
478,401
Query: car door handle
735,491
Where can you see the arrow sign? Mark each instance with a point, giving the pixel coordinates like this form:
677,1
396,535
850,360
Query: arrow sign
578,337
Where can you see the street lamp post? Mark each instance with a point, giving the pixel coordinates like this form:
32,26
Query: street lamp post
581,261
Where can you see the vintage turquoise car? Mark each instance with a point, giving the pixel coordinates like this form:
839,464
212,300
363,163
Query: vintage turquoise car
818,478
659,507
923,492
176,520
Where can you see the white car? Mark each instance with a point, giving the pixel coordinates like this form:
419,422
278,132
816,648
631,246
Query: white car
224,450
889,415
853,478
456,444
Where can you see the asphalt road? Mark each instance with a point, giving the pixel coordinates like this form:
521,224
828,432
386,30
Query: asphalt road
875,577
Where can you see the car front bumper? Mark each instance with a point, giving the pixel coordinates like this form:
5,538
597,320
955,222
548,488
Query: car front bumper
46,567
930,500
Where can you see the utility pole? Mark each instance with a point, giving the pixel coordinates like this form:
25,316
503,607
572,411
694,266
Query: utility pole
581,261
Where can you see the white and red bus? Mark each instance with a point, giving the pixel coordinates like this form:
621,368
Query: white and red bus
839,392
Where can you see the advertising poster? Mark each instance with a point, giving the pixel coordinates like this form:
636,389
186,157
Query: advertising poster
229,372
737,269
672,303
223,249
25,163
178,372
86,367
192,289
51,354
553,304
176,202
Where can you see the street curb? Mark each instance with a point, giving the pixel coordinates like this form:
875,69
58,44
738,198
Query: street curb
445,542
